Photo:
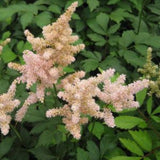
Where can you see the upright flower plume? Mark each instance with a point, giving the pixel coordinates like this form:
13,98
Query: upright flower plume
2,44
7,105
53,52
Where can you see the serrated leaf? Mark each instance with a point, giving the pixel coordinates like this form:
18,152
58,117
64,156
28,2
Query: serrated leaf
90,64
34,114
118,15
127,38
100,41
26,19
102,19
79,25
125,158
107,143
132,58
82,154
131,146
142,138
7,54
54,8
6,35
110,2
6,145
93,4
141,49
141,95
113,28
128,122
157,110
113,62
97,129
156,119
42,153
149,105
4,86
75,16
138,4
43,19
93,150
46,138
95,27
20,46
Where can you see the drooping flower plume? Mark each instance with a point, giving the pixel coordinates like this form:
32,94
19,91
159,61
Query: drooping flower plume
7,105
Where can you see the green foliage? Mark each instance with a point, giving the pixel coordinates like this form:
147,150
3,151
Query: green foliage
116,34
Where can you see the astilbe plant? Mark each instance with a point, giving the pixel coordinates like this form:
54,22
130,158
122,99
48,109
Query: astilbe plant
53,52
151,72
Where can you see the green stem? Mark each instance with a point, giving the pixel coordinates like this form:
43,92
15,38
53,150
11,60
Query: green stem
16,132
151,152
140,16
151,127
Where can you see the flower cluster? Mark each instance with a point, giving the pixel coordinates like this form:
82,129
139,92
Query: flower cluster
80,97
2,44
53,52
151,72
7,105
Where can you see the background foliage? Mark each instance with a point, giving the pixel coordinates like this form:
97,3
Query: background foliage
117,34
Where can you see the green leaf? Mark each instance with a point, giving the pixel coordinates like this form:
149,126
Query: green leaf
93,4
4,86
42,153
7,54
93,150
90,64
113,62
100,41
131,146
107,143
118,15
142,138
26,19
127,38
68,70
95,27
6,145
138,4
113,28
156,119
46,138
141,49
128,122
43,19
6,35
132,58
82,154
141,95
157,110
34,114
125,158
110,2
102,19
97,129
149,105
158,155
75,16
79,25
55,9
